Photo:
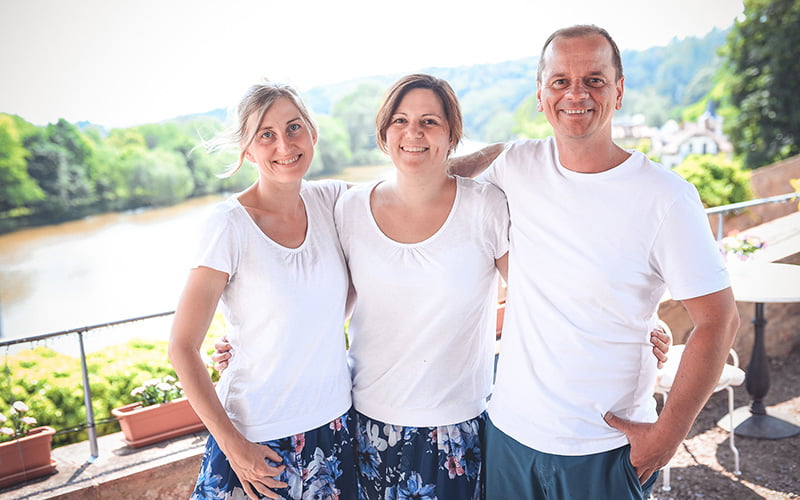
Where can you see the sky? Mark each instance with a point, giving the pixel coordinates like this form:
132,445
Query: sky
121,63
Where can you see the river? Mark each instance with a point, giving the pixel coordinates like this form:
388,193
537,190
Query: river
104,268
96,270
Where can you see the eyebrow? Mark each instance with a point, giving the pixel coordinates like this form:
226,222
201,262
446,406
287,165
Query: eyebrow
289,122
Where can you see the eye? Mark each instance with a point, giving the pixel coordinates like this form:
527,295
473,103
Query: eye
595,82
267,135
398,120
429,121
294,127
559,83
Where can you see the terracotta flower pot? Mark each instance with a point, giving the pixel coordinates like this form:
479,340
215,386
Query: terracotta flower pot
151,424
27,457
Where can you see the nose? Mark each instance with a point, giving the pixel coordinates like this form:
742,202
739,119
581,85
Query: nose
578,89
414,129
283,142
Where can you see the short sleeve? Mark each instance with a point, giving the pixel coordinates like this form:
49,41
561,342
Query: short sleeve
685,252
218,246
496,220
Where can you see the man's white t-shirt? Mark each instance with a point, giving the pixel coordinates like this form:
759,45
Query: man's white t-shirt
285,312
423,328
591,256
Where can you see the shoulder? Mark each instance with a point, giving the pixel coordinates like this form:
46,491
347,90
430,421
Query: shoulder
472,188
325,188
225,210
661,176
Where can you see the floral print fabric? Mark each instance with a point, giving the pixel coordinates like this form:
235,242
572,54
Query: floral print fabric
320,465
419,463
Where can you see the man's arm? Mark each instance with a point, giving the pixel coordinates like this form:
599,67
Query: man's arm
473,164
716,321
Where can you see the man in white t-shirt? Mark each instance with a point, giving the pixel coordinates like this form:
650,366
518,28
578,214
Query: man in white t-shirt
598,233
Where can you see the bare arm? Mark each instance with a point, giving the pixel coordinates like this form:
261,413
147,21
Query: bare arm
192,319
473,164
715,320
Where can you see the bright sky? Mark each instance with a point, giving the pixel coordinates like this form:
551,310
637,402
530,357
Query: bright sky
121,63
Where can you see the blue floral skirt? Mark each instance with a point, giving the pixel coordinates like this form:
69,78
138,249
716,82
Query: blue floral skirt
421,463
320,465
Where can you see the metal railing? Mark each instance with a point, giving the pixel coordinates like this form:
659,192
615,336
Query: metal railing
90,424
721,210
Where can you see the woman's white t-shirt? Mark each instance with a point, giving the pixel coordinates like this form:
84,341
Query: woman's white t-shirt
285,312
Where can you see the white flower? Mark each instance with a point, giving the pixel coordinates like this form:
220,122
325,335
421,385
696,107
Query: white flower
8,431
20,407
164,386
28,420
137,391
3,418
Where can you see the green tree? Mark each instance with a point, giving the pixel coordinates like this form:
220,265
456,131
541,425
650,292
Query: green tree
530,123
17,188
718,180
762,55
59,160
357,111
333,146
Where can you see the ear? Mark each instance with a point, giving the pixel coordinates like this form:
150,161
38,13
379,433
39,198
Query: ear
620,91
249,156
539,106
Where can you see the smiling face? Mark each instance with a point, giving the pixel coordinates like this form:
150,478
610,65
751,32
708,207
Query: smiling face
418,133
578,90
283,143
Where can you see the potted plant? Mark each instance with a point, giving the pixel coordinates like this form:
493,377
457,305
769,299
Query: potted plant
24,451
161,412
739,246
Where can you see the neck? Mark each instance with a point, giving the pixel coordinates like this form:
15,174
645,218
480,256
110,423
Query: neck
273,197
580,155
419,190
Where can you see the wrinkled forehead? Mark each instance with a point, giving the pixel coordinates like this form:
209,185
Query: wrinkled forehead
591,54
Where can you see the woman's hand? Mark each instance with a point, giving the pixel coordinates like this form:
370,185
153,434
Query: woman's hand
249,461
661,339
222,354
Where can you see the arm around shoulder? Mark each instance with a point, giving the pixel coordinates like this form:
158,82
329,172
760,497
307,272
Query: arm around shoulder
473,164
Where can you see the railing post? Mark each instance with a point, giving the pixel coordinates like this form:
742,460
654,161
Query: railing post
87,401
720,224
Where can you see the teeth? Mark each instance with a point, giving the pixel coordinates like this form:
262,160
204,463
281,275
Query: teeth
287,162
413,150
576,111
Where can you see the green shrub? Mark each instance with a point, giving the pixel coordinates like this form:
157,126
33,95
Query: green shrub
51,384
718,180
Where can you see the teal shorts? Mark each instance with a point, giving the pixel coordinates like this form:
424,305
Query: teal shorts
515,471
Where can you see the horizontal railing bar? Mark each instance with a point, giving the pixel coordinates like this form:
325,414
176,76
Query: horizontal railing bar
751,203
44,336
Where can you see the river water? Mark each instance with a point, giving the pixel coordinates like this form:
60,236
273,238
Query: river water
97,270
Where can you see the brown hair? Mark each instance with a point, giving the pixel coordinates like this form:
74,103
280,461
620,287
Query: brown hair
578,31
440,87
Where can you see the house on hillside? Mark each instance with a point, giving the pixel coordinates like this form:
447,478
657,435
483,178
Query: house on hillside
704,137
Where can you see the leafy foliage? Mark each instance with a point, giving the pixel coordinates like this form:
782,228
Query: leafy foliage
762,55
718,180
50,382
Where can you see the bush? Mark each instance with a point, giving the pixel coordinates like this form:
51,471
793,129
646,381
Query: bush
50,383
718,180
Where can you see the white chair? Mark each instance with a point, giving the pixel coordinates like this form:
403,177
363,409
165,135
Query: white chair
731,376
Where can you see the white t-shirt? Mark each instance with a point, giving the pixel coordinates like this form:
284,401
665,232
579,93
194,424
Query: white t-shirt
591,255
285,312
422,331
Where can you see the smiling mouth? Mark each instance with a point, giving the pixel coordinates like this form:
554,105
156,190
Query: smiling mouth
410,149
576,111
289,161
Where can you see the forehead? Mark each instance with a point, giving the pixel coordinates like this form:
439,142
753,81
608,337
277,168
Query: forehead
578,55
420,100
279,113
